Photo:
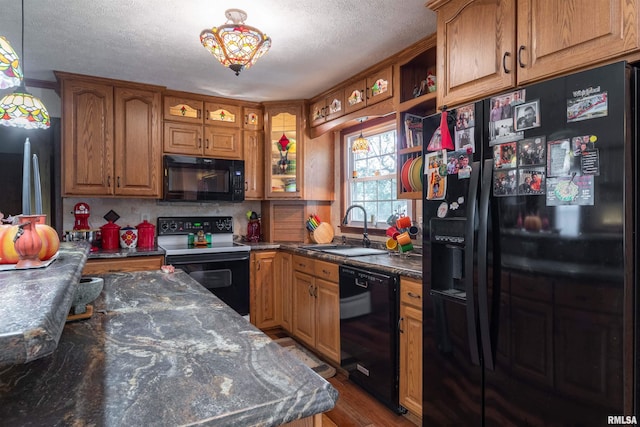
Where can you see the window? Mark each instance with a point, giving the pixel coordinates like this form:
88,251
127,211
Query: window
371,177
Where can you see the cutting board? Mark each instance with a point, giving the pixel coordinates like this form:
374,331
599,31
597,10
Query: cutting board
323,233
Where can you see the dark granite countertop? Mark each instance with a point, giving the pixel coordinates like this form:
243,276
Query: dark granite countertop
409,265
124,253
162,350
35,304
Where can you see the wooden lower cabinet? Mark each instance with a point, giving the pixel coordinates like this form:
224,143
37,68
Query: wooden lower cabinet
116,265
265,296
411,345
284,278
316,306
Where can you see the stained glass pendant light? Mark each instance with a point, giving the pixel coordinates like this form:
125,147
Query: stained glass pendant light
21,109
10,70
234,44
360,145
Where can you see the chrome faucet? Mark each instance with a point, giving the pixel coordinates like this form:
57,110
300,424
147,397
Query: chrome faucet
365,235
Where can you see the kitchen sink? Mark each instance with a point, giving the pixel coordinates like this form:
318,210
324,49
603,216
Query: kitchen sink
345,250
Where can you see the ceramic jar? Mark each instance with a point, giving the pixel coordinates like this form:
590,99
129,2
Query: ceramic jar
146,234
128,237
110,233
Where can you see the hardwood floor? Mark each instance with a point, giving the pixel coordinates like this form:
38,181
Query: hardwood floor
355,407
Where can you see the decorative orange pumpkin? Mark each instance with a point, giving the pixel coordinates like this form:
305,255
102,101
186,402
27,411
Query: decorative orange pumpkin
8,254
50,241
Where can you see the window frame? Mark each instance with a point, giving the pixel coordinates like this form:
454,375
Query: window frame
368,127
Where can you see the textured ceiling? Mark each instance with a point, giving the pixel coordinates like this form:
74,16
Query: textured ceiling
315,44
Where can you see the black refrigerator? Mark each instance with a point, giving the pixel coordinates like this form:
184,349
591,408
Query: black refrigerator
530,256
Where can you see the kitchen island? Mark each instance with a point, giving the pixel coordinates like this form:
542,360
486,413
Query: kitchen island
162,350
35,303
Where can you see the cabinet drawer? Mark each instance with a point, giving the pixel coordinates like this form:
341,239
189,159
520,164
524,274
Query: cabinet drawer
411,292
304,264
114,265
326,270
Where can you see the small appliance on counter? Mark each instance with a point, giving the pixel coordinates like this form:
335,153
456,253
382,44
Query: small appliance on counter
81,228
253,227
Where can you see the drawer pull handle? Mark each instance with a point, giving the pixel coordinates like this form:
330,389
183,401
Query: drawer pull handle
412,295
327,272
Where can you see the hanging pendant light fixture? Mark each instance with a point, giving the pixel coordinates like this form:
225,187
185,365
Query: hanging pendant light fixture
10,70
360,145
21,109
234,44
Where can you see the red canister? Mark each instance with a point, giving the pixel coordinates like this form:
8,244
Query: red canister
146,234
110,233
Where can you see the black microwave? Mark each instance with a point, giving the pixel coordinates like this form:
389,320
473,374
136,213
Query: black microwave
199,179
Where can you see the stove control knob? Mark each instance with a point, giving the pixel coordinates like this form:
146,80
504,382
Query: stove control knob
173,226
164,226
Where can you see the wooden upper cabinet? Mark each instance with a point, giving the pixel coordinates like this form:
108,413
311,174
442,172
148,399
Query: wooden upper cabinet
380,85
556,36
87,135
138,148
182,138
183,109
376,87
475,59
222,115
253,143
514,46
222,142
253,118
111,137
328,108
355,96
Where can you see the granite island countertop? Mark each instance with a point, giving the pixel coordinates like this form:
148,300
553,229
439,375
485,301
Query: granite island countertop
35,304
162,350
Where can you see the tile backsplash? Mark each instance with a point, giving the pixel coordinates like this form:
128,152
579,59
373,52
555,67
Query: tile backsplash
132,211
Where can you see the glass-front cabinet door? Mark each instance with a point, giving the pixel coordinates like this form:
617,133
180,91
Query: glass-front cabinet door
284,151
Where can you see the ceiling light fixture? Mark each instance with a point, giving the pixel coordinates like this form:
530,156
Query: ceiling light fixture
21,109
234,44
10,71
360,145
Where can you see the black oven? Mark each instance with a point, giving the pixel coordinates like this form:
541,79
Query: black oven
200,179
226,275
203,247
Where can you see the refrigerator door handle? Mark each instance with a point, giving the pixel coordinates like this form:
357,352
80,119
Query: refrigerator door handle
483,292
468,263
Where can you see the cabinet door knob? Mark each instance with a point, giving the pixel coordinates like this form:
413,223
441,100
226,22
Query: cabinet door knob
520,49
504,62
311,290
258,265
199,142
400,325
246,186
118,182
108,180
207,143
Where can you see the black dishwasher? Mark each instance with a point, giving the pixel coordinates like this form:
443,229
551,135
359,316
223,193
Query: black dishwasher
369,332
